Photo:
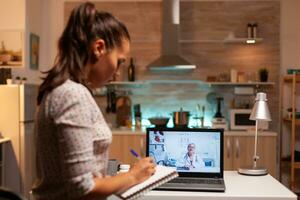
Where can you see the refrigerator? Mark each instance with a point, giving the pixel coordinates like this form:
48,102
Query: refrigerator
17,122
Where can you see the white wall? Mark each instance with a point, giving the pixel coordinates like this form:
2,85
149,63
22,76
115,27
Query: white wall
33,22
12,14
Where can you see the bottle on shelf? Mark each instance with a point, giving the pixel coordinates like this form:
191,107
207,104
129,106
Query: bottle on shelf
249,30
254,30
131,70
137,116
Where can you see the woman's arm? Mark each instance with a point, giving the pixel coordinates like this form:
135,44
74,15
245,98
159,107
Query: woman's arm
104,187
74,116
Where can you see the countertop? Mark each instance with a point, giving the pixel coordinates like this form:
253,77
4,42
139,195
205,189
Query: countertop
237,187
226,133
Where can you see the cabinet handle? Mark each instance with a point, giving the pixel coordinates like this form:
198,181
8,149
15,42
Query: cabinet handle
228,148
237,145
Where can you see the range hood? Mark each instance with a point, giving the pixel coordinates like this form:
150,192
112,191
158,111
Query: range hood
170,58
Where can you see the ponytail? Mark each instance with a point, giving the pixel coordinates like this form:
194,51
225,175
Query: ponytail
85,25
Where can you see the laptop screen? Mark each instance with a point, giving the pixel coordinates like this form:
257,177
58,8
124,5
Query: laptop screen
187,150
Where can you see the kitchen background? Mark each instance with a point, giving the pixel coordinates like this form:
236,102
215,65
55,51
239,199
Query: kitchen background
209,38
204,26
44,18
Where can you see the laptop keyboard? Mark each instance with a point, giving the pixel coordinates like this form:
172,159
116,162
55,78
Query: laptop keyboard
197,181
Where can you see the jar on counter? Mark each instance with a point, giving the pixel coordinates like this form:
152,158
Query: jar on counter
123,168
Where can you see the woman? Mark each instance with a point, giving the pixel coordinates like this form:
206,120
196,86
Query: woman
72,136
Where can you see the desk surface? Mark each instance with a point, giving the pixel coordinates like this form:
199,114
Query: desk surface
237,187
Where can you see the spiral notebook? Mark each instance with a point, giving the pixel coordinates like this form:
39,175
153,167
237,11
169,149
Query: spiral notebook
162,175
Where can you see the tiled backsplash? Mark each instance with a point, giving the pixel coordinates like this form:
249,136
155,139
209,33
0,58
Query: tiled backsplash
161,100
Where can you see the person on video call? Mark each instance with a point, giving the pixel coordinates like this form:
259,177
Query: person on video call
191,159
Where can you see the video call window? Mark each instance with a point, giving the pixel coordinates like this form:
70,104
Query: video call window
187,151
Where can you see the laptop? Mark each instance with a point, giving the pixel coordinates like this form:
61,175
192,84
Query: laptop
196,154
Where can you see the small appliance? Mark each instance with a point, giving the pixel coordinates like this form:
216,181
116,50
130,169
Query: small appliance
239,120
219,121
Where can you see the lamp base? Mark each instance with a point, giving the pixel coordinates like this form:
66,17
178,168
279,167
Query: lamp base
253,171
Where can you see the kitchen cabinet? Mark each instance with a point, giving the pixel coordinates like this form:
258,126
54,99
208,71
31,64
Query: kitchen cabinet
238,148
239,151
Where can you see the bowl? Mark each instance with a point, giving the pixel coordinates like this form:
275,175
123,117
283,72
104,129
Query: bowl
159,121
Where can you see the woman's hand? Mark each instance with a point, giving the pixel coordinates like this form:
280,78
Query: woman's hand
142,169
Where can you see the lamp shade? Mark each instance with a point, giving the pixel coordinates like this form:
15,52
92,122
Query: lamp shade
260,109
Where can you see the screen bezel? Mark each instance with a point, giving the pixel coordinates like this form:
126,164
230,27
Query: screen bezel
194,174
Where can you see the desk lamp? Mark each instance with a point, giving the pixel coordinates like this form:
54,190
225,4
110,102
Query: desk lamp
260,112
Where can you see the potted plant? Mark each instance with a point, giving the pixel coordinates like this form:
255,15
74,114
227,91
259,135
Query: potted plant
4,55
263,74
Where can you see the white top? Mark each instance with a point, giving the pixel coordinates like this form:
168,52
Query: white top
237,187
72,141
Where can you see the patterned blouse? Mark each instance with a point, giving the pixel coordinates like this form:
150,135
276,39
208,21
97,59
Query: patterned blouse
72,143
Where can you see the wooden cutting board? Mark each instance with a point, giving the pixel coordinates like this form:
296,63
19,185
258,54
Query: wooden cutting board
123,110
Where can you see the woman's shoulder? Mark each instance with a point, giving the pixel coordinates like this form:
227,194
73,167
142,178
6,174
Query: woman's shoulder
69,98
71,90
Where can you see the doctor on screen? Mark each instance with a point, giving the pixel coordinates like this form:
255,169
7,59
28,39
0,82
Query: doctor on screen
191,159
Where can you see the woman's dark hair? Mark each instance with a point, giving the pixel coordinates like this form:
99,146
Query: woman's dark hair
85,25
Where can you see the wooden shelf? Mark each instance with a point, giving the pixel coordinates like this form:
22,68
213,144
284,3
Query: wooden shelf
127,84
289,78
142,83
202,41
292,79
290,121
243,40
226,40
241,84
297,165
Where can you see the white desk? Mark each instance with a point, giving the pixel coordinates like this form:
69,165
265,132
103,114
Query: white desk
237,187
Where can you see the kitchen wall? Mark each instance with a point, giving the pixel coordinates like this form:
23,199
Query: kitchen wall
26,15
53,23
207,24
17,20
203,28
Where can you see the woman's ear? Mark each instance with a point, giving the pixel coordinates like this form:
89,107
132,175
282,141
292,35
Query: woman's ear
99,48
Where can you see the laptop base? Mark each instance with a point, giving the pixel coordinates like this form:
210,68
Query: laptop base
193,187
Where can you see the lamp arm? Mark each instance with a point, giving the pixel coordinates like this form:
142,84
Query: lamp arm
255,157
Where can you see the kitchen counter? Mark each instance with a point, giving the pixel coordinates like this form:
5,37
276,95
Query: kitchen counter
238,148
237,187
226,133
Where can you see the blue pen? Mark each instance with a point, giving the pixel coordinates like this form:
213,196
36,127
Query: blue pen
135,154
